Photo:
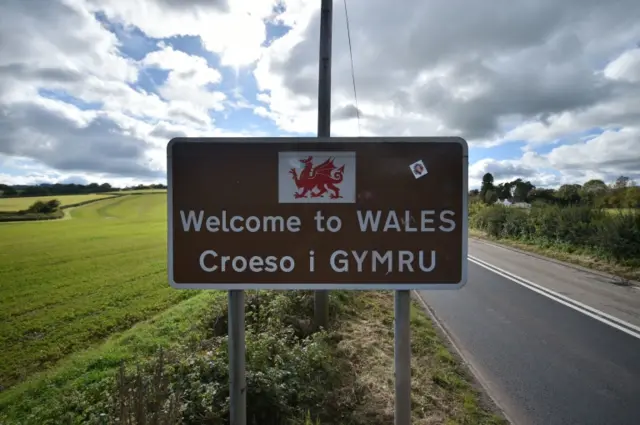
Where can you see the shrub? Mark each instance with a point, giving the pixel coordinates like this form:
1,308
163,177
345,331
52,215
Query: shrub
615,237
288,374
37,207
515,224
40,207
490,219
53,205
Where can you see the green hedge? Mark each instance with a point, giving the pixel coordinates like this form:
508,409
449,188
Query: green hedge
614,237
26,216
34,212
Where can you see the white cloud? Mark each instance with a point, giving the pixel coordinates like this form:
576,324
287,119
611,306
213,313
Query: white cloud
61,46
235,29
605,157
188,81
626,67
509,170
611,153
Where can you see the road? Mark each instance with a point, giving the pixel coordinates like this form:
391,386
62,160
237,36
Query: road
543,361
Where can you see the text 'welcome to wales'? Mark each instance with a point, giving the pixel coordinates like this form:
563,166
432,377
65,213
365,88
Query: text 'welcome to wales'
340,261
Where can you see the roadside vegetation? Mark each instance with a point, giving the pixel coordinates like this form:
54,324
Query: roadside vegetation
593,225
174,369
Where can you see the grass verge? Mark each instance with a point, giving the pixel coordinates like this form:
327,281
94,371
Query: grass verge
340,376
570,255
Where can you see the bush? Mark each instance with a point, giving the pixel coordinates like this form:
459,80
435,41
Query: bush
490,219
516,224
40,207
616,237
289,372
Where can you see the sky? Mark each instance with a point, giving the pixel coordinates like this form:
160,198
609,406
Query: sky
93,90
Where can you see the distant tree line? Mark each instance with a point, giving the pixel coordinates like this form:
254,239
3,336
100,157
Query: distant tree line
623,193
594,218
9,191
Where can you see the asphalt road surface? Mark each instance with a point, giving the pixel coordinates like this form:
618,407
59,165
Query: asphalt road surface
543,361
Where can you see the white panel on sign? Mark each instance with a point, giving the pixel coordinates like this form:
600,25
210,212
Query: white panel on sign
316,177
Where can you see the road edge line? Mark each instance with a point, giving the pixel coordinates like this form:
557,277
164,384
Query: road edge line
594,313
477,376
612,277
579,304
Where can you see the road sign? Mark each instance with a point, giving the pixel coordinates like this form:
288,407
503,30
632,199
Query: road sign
317,213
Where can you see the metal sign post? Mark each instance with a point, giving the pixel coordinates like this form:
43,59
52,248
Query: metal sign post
321,298
237,379
402,356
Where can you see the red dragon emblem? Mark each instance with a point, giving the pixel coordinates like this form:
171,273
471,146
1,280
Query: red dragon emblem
323,178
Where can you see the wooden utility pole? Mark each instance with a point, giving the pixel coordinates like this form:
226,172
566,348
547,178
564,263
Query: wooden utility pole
321,299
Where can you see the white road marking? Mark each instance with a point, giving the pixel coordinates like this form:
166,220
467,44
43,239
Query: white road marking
603,317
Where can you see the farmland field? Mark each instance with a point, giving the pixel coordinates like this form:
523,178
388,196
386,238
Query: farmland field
17,204
68,284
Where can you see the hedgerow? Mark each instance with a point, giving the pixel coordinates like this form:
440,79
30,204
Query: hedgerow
614,236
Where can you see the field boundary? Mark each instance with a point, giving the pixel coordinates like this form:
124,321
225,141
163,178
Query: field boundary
16,217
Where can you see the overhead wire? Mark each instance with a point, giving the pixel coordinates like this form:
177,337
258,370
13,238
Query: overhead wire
353,74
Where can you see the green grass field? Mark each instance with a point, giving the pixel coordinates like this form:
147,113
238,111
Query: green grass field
68,284
17,204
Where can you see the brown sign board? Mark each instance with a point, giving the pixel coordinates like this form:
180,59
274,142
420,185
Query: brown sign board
317,213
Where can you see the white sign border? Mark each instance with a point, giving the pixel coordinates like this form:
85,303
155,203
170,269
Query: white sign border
322,286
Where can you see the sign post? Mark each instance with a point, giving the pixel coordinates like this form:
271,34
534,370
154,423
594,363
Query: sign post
319,214
321,298
237,378
402,356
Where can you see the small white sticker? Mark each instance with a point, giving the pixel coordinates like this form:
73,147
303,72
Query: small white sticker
418,169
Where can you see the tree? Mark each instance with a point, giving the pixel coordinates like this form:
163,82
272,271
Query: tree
7,191
490,197
547,196
35,191
632,197
487,185
621,182
522,190
569,194
503,190
593,191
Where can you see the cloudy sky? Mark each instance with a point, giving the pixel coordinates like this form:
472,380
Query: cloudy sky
92,90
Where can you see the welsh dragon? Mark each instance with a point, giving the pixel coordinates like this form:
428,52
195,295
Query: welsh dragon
323,177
